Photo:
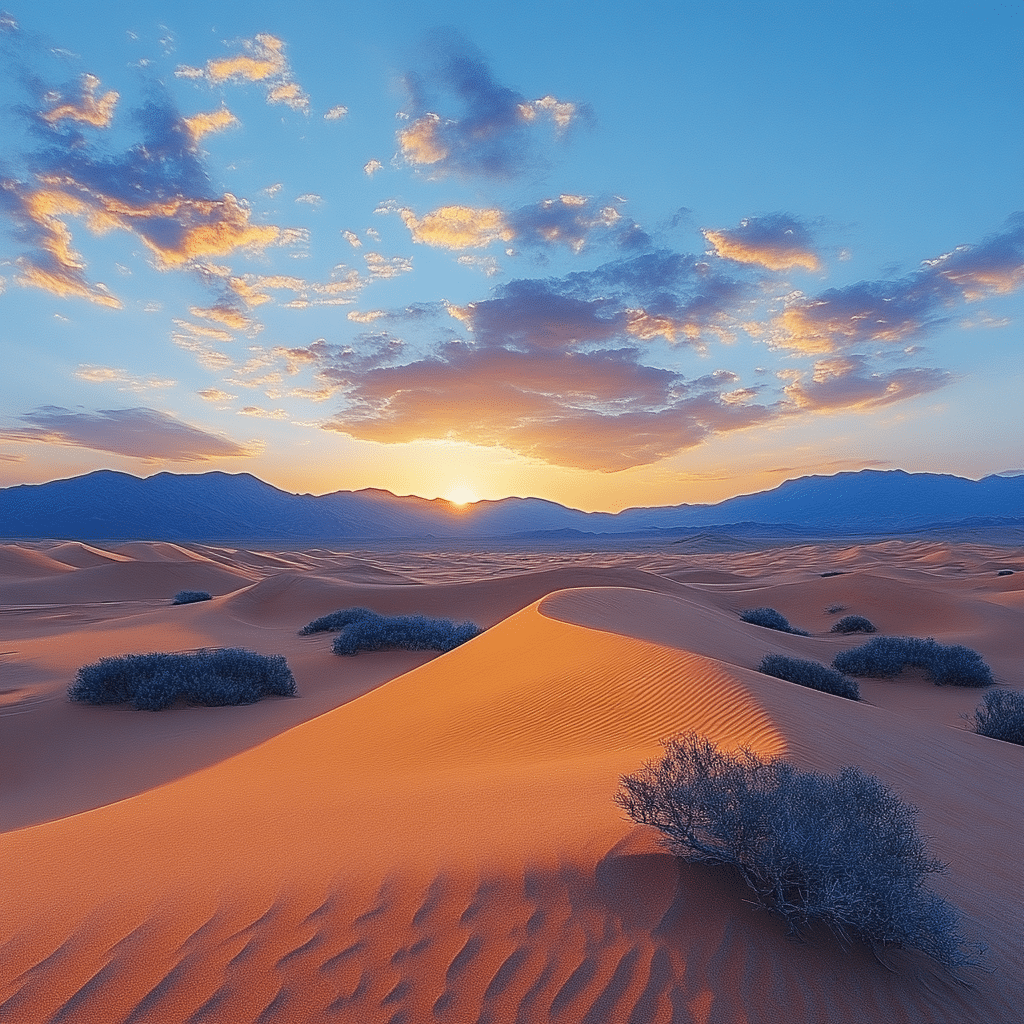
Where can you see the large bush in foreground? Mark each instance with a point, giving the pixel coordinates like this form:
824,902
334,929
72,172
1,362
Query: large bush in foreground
809,673
373,632
1001,716
769,618
839,849
152,682
885,656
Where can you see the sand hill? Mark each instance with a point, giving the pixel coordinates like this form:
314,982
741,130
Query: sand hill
423,838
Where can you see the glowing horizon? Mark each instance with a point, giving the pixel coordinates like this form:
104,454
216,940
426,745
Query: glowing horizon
455,262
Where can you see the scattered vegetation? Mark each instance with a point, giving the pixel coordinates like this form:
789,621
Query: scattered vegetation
835,609
832,572
1005,572
770,619
191,596
843,850
335,621
809,673
853,624
885,656
365,630
152,682
1001,716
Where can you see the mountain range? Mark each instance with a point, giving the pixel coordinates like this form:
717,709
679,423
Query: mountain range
211,507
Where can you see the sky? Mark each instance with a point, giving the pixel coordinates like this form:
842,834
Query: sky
609,255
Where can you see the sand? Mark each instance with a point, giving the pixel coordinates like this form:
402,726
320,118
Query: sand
420,838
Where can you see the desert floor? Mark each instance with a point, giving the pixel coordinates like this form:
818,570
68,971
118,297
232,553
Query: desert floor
420,838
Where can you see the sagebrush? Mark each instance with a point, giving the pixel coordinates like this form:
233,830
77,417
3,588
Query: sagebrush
1000,715
809,673
215,678
191,596
842,849
853,624
886,656
335,621
402,632
769,618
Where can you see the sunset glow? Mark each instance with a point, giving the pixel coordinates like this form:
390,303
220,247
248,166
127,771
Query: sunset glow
568,261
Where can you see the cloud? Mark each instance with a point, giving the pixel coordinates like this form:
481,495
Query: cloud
489,133
267,414
384,267
600,410
138,433
777,241
846,384
128,382
215,395
229,316
254,289
262,61
336,113
89,108
894,312
486,264
371,167
205,124
157,190
569,220
311,198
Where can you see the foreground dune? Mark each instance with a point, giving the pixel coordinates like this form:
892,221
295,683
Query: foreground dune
418,838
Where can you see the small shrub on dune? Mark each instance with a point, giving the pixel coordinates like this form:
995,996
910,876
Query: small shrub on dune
191,596
853,624
769,618
843,849
809,673
835,609
152,682
403,632
886,656
335,620
1001,716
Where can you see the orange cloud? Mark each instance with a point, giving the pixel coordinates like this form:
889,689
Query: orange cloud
777,242
263,62
458,227
205,124
90,108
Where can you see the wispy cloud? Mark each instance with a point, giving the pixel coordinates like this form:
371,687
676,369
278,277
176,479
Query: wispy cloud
262,61
89,108
461,120
894,312
126,381
138,433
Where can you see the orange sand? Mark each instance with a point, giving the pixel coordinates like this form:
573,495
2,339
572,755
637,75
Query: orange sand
419,838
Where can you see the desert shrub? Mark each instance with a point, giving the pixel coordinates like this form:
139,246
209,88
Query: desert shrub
885,656
1005,572
834,609
335,620
809,673
843,849
191,596
152,682
1001,716
770,619
853,624
403,632
832,572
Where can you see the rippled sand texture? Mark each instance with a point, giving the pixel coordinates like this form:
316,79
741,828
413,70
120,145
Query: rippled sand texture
422,838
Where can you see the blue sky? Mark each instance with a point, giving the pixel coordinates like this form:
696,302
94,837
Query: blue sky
605,256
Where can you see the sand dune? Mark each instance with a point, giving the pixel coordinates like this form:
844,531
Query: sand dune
435,840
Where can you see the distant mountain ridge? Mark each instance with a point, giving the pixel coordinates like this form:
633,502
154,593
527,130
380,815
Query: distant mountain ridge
216,506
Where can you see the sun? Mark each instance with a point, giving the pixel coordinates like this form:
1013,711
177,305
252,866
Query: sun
460,494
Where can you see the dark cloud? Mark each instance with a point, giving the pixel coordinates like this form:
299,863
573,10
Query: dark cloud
461,120
136,433
842,319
